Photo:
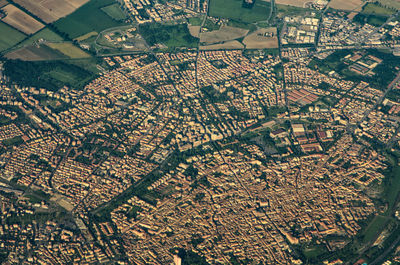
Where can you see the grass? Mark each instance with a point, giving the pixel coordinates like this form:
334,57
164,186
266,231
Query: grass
46,34
314,251
376,9
9,36
69,50
13,141
195,21
171,35
285,10
86,36
114,11
87,18
233,9
374,228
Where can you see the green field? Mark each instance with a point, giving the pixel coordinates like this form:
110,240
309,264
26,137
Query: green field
285,10
195,21
68,49
45,34
376,9
233,9
114,11
9,37
374,228
86,19
171,35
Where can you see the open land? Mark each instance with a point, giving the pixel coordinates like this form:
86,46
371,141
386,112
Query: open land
51,10
260,39
298,3
35,53
225,33
45,34
194,31
229,45
20,20
348,5
69,50
13,36
114,11
391,3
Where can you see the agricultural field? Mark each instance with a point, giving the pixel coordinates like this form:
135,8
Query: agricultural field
69,50
114,11
86,36
20,20
86,19
298,3
233,9
262,39
10,36
229,45
286,10
225,33
347,5
194,31
35,53
51,10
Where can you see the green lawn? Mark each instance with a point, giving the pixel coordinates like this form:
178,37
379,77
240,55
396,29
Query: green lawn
9,36
195,21
233,9
114,11
87,18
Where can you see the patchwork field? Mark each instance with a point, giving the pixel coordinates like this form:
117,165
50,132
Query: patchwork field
233,9
9,36
349,5
87,18
232,45
68,49
35,53
51,10
20,20
298,3
225,33
262,39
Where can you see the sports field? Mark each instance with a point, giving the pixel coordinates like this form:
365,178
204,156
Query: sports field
233,9
87,18
51,10
9,36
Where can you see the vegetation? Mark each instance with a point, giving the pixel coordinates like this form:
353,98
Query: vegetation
45,34
171,35
49,75
374,14
115,12
68,49
9,36
87,18
234,9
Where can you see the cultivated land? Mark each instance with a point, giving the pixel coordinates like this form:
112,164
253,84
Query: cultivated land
21,20
348,5
225,33
35,53
261,40
12,36
51,10
87,18
69,50
233,9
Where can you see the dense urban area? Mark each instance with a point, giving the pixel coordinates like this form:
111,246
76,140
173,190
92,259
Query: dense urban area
200,132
